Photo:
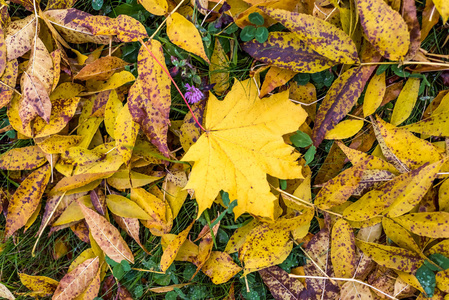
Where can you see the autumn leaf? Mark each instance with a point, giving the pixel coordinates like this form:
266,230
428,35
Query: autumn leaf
107,236
101,69
184,34
26,158
405,102
41,285
26,199
280,284
148,103
319,35
443,9
156,7
287,50
391,41
240,149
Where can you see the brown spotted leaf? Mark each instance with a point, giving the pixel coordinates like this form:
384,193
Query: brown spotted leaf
343,253
107,236
35,100
395,197
319,35
149,97
280,284
287,50
9,79
337,190
76,281
131,226
391,257
392,40
411,18
26,199
41,285
169,255
430,224
339,100
220,267
19,35
58,4
26,158
101,69
3,60
64,22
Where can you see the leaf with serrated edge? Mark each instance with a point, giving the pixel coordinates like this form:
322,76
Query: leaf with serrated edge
107,236
244,149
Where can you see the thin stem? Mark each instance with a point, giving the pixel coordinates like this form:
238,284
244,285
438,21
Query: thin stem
404,63
344,279
172,80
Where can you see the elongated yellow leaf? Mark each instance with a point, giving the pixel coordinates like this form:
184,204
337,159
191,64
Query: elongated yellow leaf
172,249
218,68
345,129
399,235
374,94
321,36
107,236
126,208
430,224
45,286
244,149
6,293
26,158
184,34
156,7
337,190
112,109
406,101
26,199
410,151
58,143
269,243
391,41
287,50
391,257
443,8
73,212
125,133
343,254
395,197
238,238
220,267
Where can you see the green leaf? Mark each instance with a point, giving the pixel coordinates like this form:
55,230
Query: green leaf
283,184
301,139
440,260
261,34
138,291
302,78
248,33
426,278
125,265
381,69
111,262
97,4
310,155
231,29
118,271
256,19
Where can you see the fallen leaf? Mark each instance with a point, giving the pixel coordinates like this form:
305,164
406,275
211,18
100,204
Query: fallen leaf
319,35
238,148
185,35
375,92
345,129
343,250
430,224
280,284
107,236
101,69
406,101
25,158
76,281
26,199
123,207
391,41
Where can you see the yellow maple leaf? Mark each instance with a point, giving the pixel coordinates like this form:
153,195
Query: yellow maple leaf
242,144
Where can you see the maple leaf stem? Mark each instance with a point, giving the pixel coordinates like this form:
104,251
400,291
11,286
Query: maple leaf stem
172,80
343,279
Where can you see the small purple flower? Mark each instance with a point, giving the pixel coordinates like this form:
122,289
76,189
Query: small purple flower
193,94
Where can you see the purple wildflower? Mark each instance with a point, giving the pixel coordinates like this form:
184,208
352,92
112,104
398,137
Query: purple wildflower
193,94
